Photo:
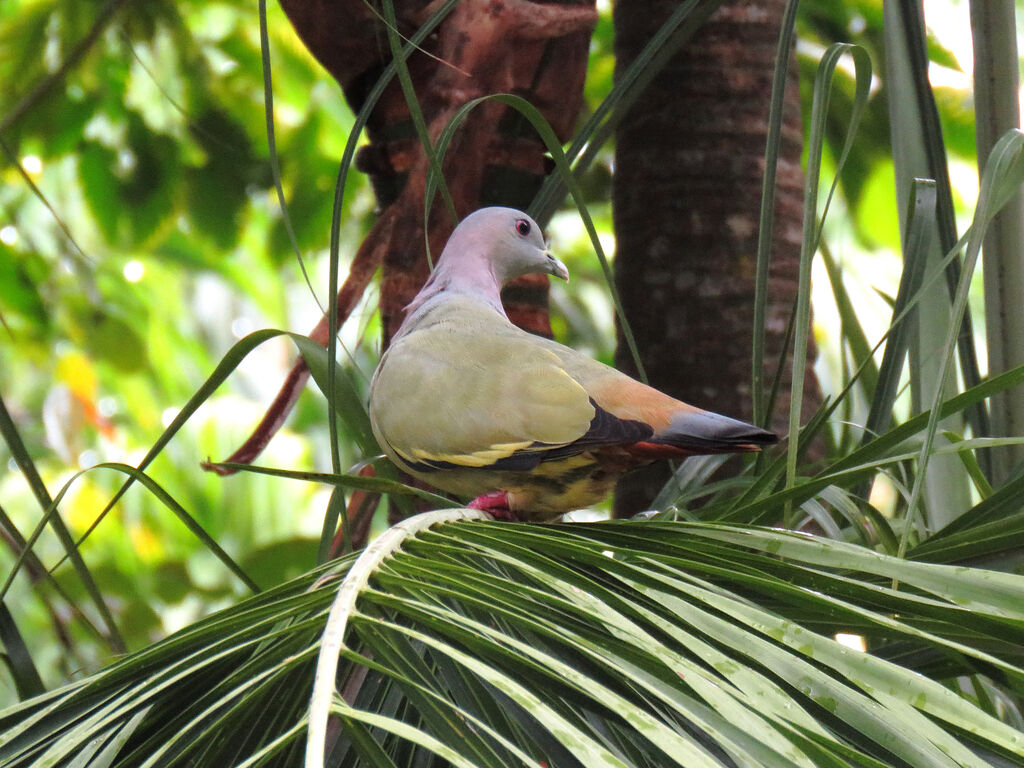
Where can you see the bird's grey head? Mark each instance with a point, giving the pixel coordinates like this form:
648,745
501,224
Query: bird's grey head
508,241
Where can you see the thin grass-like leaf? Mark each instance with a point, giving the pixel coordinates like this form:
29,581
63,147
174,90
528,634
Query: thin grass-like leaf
348,402
920,224
224,368
923,128
347,157
678,28
416,115
36,568
766,222
970,462
52,517
811,227
156,490
275,165
355,481
1004,163
18,658
76,251
336,509
850,327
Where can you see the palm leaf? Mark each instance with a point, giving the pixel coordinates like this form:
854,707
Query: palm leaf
631,643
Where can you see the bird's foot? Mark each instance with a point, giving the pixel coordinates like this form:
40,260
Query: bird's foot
496,505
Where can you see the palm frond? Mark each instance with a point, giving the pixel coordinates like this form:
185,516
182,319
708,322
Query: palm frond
633,643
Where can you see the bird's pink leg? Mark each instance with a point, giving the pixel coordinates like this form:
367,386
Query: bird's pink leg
496,505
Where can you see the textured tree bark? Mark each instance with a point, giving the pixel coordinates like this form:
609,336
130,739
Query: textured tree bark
686,197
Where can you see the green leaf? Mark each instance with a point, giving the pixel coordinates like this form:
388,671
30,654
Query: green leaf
115,341
96,165
17,657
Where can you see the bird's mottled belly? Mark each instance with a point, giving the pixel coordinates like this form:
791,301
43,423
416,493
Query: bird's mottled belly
546,491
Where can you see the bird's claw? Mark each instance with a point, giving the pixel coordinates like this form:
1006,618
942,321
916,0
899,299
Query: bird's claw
496,505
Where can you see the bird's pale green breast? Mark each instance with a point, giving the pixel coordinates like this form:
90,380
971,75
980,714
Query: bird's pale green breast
464,386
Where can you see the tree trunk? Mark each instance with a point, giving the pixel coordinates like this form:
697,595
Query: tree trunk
686,196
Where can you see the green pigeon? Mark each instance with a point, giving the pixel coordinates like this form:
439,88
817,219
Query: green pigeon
526,427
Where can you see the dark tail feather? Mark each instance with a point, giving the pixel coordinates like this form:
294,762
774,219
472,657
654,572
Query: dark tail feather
706,432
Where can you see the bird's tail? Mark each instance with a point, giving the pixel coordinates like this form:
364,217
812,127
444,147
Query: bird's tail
699,432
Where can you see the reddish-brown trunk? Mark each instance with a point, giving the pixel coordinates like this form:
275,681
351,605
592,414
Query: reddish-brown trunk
687,188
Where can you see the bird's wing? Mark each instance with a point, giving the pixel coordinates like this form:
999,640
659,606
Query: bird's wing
466,388
673,423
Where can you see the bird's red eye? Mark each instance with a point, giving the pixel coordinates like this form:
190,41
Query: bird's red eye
522,227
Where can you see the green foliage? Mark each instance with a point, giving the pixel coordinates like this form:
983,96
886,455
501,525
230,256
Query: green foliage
142,127
633,643
696,638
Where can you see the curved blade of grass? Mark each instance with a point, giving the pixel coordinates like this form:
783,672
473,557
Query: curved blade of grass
39,573
339,193
920,223
275,166
925,127
18,658
231,360
811,226
850,328
358,482
970,462
347,400
162,495
52,517
79,256
224,368
416,113
766,224
336,509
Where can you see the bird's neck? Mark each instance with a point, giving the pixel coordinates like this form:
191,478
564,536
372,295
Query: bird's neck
476,281
478,285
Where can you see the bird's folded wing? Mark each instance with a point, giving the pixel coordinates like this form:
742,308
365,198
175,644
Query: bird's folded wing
446,396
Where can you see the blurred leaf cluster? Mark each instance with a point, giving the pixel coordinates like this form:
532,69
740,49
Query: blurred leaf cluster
140,236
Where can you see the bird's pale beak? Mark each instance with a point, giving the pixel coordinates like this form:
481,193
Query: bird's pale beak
556,267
